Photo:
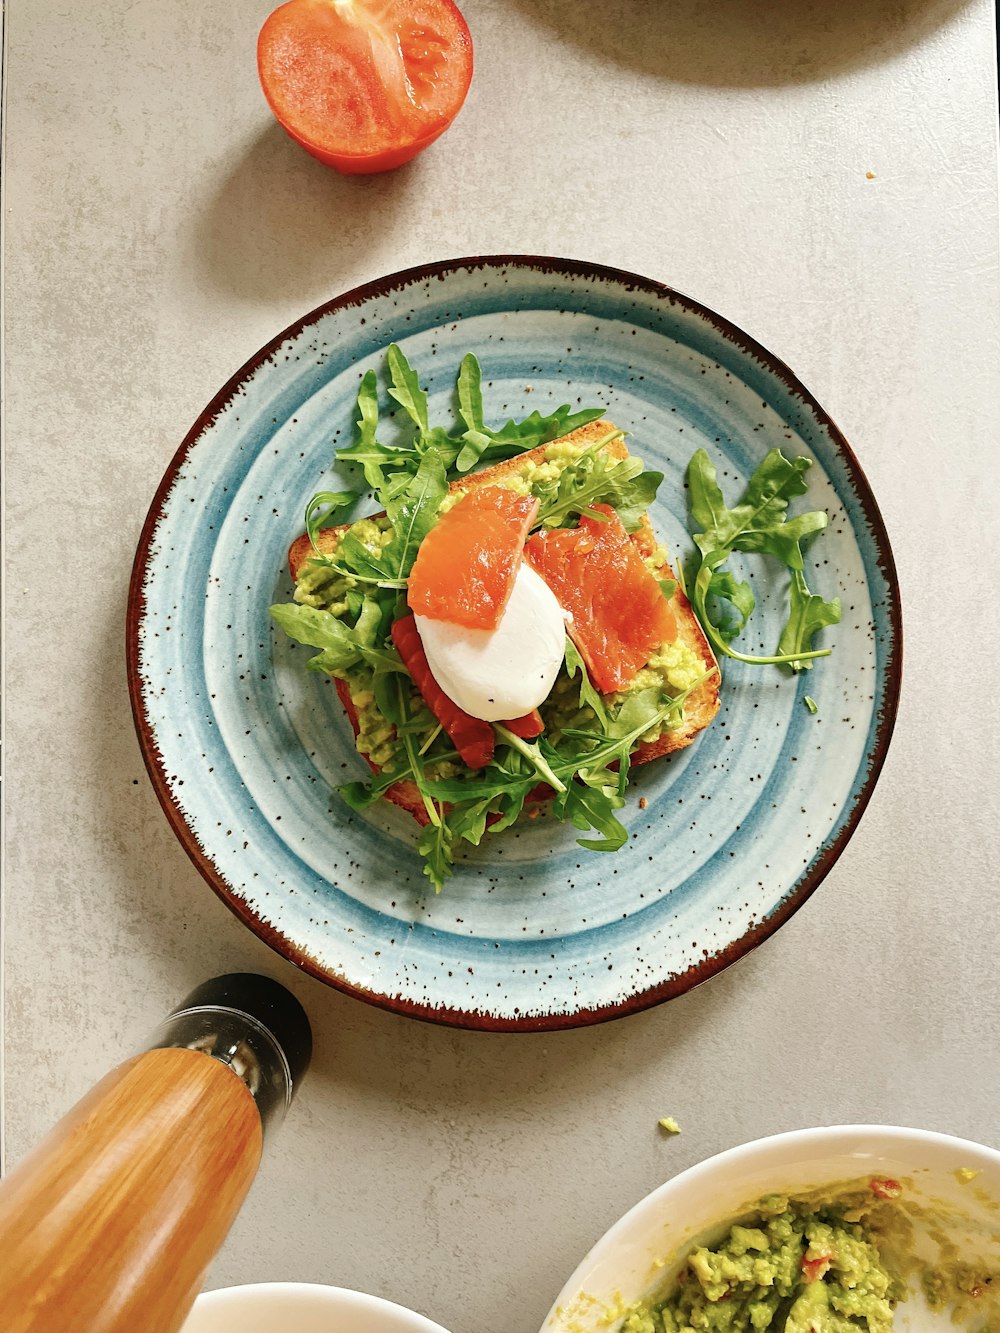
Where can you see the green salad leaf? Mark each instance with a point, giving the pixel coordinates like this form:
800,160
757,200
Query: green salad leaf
388,468
597,478
412,513
341,645
480,444
405,388
325,509
589,696
759,523
372,457
809,614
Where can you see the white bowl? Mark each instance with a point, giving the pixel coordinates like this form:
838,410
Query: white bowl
633,1260
278,1307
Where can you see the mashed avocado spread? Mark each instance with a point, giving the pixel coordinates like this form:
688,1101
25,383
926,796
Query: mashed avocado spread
791,1266
675,668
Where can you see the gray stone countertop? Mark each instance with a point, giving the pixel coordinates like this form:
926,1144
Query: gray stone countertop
824,176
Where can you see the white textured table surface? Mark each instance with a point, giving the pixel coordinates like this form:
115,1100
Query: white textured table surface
827,180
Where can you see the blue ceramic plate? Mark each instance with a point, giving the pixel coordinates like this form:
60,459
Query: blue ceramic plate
245,748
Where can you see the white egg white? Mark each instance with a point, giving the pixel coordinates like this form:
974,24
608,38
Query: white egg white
507,671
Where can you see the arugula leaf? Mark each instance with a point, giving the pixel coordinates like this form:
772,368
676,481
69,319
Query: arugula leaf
468,821
367,624
590,802
788,541
596,477
724,586
363,795
318,517
387,697
412,515
437,846
319,629
634,499
470,393
510,806
773,484
405,388
518,436
356,558
341,647
589,696
640,711
534,755
758,523
414,759
477,434
590,807
808,615
366,450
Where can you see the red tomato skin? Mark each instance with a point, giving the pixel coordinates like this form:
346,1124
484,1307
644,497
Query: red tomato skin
885,1188
813,1270
364,166
527,727
473,738
339,156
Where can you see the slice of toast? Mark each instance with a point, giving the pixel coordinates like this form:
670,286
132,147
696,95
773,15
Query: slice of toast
700,706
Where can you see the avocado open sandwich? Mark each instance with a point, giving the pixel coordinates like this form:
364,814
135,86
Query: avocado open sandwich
508,630
513,637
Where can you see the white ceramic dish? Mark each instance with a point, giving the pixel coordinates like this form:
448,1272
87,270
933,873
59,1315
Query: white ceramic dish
280,1307
634,1259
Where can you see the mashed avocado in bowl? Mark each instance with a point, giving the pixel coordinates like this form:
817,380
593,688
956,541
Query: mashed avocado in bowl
800,1266
858,1229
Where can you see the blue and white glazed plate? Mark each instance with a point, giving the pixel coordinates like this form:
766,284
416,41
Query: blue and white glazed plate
246,749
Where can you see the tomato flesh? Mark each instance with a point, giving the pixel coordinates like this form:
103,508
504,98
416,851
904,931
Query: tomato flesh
365,85
527,726
472,737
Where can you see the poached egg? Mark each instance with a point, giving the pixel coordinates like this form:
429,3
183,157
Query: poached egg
505,672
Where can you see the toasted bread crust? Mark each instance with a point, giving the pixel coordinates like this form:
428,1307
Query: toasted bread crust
701,705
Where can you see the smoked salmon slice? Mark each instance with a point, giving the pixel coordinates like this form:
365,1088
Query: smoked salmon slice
620,616
465,569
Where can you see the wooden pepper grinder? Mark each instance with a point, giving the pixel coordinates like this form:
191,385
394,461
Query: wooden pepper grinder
110,1224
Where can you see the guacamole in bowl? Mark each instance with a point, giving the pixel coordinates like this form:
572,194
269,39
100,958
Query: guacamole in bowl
800,1266
863,1229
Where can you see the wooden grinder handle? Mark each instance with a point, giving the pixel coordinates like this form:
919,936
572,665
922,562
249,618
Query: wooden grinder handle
111,1222
109,1225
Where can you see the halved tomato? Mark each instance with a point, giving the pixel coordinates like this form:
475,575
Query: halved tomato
365,85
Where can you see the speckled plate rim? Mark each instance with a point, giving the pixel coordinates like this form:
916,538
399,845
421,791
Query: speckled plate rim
672,986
